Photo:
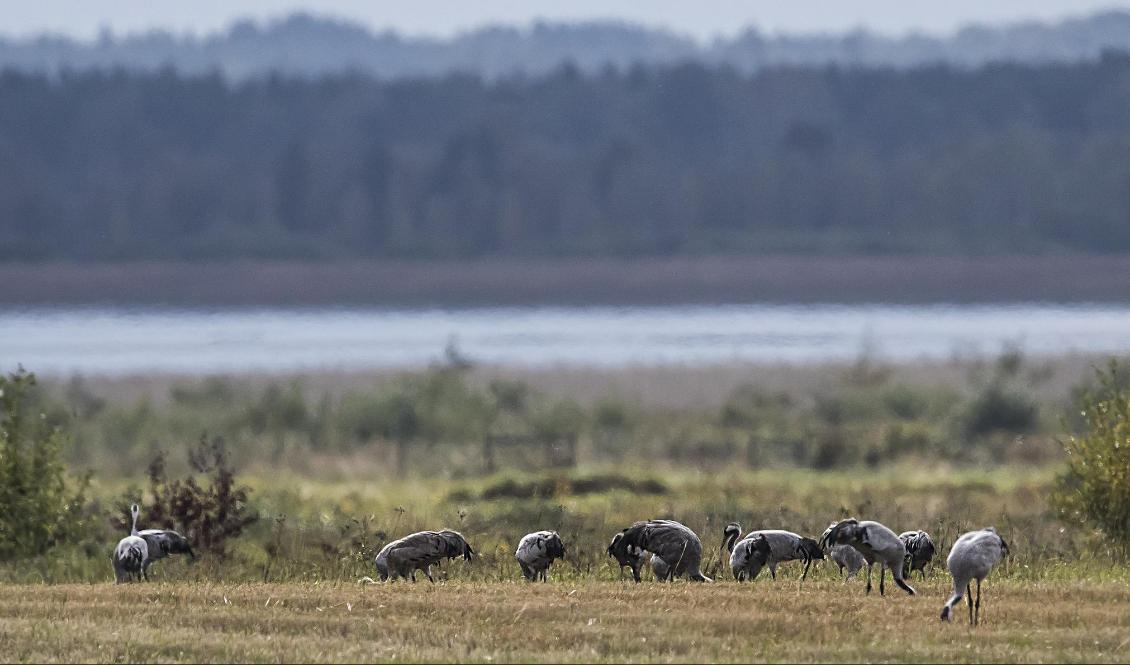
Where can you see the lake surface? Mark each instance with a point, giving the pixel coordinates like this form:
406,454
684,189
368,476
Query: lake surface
137,340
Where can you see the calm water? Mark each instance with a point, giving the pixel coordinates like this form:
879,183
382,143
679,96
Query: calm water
63,340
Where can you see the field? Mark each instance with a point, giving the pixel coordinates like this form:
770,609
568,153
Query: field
287,588
558,622
1057,598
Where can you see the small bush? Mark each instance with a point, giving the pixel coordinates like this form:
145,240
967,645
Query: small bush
39,509
209,515
1095,489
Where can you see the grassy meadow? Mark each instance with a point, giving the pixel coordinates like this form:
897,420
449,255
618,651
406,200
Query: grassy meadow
289,589
558,622
945,448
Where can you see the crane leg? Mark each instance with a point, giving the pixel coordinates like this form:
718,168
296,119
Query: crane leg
882,579
807,563
977,615
869,578
969,601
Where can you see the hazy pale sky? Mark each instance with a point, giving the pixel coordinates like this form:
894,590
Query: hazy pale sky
701,18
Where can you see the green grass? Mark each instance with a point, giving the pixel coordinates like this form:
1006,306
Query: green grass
313,530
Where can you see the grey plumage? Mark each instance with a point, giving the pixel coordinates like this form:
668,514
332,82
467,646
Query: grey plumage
877,544
748,555
420,551
632,556
131,557
163,542
536,553
847,557
677,546
972,557
784,546
919,551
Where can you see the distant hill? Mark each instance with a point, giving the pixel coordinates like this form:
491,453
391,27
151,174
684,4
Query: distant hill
306,45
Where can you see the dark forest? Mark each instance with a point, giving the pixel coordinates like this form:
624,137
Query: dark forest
667,160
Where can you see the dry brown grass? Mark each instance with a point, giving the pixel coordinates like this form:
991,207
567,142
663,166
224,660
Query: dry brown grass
558,622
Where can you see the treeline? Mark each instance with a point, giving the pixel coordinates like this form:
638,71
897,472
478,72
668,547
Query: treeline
670,160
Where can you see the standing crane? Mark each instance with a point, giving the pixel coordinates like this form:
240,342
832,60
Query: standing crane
972,556
131,556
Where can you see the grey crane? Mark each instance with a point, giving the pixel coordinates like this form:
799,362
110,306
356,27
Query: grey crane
163,542
748,555
846,556
420,551
919,551
131,556
627,555
678,547
972,556
536,553
784,546
876,543
633,557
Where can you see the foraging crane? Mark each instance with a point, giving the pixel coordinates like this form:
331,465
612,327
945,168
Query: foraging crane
972,556
919,551
846,556
634,557
785,546
627,555
131,556
163,542
679,549
749,555
876,543
536,553
420,551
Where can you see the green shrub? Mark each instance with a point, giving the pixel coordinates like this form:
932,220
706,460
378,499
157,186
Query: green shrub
905,402
1095,489
39,509
997,409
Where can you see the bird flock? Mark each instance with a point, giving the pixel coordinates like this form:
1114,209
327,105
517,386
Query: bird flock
670,548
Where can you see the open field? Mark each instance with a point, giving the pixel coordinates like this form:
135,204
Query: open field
559,622
517,281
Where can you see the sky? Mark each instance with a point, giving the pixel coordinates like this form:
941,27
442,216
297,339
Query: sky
703,19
